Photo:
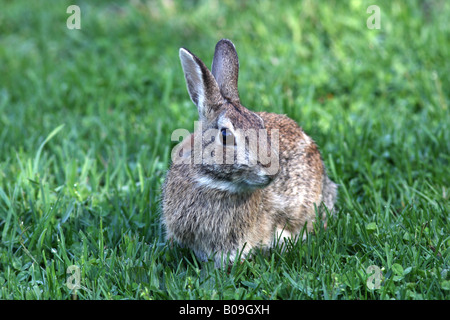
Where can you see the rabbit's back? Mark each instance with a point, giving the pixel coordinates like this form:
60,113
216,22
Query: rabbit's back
302,184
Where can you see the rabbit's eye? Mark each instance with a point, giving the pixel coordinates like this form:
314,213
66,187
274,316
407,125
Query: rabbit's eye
227,136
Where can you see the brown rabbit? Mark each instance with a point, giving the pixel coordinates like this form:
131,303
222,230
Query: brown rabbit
243,179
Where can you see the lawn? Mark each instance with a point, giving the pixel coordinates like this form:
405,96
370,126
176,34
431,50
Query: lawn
86,117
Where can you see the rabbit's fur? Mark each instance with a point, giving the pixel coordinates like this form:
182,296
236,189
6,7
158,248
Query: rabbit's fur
226,207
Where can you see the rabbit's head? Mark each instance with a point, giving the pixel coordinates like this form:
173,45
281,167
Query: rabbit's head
230,148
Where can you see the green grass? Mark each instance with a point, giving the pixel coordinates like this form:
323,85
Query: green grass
86,118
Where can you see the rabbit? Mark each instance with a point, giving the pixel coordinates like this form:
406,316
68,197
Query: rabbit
222,209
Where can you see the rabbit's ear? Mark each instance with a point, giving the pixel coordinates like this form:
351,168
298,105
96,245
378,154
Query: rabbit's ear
225,68
202,87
